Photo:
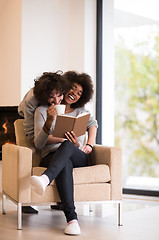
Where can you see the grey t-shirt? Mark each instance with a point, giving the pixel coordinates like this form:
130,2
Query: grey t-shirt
40,137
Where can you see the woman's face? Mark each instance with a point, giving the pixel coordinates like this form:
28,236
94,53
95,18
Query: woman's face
74,94
55,98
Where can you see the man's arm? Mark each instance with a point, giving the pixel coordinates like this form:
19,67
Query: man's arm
27,109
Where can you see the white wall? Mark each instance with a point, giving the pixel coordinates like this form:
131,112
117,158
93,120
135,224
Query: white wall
53,37
108,73
10,52
43,35
50,38
90,46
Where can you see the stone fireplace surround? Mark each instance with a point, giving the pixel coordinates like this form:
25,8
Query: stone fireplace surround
8,114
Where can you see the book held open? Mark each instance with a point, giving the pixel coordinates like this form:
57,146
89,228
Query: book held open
65,123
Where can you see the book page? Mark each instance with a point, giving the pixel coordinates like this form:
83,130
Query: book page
83,114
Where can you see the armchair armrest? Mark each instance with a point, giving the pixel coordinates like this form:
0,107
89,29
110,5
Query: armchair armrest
16,169
112,156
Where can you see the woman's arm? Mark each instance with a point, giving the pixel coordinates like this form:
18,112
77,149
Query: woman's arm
92,131
53,140
51,112
43,120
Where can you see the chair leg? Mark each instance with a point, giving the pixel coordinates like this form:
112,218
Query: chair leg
19,214
119,211
3,204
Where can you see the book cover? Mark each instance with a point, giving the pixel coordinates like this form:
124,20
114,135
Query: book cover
66,123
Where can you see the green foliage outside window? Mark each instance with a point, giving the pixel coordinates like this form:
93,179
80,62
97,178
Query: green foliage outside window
137,105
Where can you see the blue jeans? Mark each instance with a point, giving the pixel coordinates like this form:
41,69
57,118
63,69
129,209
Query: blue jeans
60,166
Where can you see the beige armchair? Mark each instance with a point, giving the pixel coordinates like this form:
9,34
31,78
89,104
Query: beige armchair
101,181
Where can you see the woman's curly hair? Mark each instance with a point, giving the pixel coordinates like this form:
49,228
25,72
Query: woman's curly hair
85,81
46,83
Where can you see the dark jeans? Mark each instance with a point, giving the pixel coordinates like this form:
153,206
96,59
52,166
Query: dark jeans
60,165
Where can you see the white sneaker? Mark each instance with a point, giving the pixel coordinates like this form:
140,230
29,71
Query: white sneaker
73,228
38,184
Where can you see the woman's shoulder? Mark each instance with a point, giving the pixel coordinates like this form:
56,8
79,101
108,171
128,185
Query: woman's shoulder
81,110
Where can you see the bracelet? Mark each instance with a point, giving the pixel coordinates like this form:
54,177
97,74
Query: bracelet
89,145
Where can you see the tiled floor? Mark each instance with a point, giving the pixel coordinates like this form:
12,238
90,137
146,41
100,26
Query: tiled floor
140,222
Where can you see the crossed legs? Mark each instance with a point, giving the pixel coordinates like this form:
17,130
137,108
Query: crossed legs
60,167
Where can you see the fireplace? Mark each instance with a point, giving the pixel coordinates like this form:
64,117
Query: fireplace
7,117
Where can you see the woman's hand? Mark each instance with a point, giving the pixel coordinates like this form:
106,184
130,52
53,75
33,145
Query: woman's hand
71,136
51,113
86,149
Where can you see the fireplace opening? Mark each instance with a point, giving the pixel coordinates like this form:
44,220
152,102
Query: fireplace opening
7,117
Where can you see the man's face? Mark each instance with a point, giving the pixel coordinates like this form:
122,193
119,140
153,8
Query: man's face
55,98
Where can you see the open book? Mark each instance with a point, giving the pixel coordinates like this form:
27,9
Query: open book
66,123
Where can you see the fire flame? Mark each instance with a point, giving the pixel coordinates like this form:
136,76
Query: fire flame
5,127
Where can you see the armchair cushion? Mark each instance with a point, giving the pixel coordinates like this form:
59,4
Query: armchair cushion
84,175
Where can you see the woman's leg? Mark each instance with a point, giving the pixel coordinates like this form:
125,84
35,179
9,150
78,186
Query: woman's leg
59,159
61,164
64,183
65,158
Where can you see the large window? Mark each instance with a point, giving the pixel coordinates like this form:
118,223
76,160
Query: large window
136,36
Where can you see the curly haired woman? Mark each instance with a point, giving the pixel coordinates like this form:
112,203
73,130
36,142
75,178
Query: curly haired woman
50,85
61,155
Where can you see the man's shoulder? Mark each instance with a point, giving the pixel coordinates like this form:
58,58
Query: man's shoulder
30,99
41,109
29,102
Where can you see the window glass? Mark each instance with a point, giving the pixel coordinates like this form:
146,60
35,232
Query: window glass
136,37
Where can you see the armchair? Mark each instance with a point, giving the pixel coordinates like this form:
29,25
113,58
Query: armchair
101,181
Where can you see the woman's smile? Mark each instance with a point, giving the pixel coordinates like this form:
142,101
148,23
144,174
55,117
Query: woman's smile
74,94
70,96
